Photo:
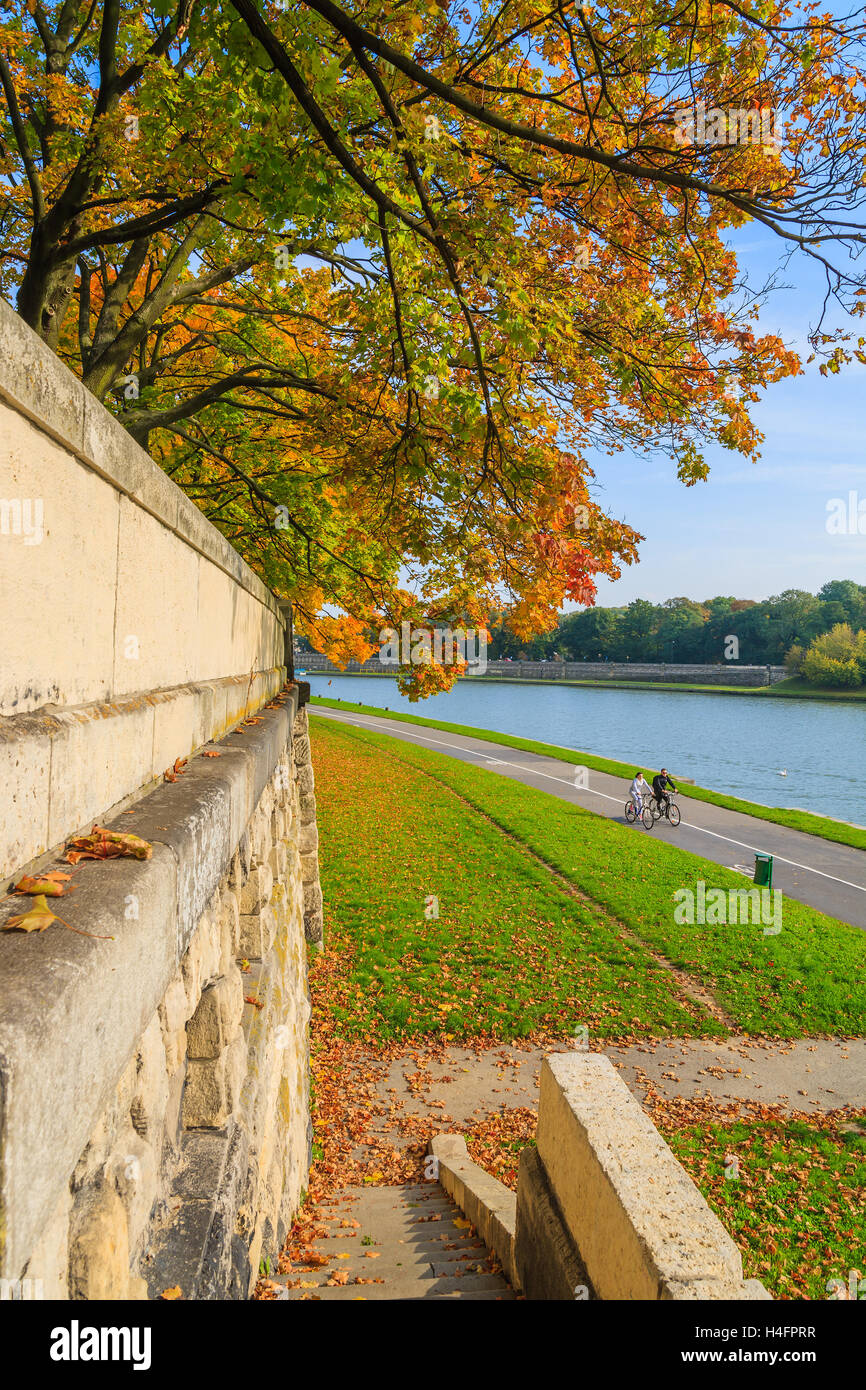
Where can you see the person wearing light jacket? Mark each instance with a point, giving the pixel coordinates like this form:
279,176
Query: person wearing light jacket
637,791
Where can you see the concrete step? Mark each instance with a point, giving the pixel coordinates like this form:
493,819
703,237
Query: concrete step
475,1286
414,1257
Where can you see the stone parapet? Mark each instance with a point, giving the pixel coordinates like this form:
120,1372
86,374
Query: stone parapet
155,1093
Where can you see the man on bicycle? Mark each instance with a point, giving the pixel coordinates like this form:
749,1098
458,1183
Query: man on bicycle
660,782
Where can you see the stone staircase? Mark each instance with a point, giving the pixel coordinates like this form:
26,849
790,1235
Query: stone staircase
414,1240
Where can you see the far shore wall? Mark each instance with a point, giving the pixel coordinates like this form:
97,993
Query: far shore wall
651,673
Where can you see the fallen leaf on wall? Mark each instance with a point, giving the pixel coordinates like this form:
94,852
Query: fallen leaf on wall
40,916
107,844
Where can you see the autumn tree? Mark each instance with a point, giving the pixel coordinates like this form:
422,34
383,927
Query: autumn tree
372,284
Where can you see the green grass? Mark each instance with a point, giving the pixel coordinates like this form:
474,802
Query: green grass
796,686
519,954
510,953
820,826
795,1201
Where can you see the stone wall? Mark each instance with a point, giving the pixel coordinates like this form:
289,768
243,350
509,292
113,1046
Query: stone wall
131,631
154,1059
155,1122
643,672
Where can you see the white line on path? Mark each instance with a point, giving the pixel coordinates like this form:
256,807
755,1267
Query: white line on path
536,772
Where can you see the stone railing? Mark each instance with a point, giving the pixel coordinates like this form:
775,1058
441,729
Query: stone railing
642,672
154,1060
603,1209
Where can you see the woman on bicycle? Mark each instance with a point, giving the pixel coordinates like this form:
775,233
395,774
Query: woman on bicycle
637,791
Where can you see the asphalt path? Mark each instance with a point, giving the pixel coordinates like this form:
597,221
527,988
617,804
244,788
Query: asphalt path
819,872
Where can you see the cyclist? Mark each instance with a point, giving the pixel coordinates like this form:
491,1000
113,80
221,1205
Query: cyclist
637,791
660,782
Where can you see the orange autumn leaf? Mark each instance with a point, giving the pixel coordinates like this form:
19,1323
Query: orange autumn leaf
107,844
48,885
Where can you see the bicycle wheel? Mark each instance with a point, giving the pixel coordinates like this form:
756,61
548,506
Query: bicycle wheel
674,813
630,813
648,818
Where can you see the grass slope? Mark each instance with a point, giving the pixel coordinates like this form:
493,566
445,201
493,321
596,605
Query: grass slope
820,826
795,1201
512,954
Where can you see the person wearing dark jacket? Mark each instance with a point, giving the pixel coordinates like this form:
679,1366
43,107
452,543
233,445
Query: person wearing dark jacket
660,782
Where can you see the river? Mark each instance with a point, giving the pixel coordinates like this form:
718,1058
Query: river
737,744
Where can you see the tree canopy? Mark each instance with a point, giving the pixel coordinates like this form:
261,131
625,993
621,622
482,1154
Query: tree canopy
687,630
373,283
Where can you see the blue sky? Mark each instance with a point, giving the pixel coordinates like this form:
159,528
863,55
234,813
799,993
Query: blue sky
753,530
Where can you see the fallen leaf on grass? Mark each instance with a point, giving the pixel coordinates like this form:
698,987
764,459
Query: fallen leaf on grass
40,916
107,844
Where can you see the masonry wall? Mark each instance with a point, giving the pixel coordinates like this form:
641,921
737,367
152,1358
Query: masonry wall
646,672
154,1057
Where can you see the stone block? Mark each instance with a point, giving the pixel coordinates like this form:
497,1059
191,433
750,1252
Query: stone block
206,1102
151,1083
631,1210
306,783
256,892
547,1262
98,1245
49,1262
258,933
308,839
217,1018
312,896
133,1170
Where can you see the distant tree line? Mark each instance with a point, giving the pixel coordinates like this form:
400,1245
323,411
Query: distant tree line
684,630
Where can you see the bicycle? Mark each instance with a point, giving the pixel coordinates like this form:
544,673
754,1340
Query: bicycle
630,812
653,812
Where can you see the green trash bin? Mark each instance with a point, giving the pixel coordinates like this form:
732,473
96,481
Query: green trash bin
764,870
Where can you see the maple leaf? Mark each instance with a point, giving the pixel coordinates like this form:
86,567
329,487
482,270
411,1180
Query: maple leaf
107,844
40,916
170,1294
49,885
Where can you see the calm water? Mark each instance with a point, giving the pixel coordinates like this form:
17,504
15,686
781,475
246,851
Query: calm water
733,744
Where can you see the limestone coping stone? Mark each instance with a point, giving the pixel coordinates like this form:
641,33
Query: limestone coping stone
61,768
73,1008
484,1200
641,1226
35,382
